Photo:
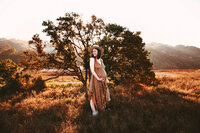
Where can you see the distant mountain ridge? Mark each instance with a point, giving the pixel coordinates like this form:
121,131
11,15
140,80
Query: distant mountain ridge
13,49
13,43
174,57
162,56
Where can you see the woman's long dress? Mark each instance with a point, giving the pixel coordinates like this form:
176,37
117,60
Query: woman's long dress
98,89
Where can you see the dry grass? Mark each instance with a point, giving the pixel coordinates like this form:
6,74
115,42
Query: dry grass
172,107
186,83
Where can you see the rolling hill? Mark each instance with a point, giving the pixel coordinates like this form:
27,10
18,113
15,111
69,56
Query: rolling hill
13,49
174,57
161,55
13,43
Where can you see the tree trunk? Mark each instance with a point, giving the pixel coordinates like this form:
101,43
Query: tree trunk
86,76
85,89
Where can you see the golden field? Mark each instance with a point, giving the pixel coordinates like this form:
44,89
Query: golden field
172,107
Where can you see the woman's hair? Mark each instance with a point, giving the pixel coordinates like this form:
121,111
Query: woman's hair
98,54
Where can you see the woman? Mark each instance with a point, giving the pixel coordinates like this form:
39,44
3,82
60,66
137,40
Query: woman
98,89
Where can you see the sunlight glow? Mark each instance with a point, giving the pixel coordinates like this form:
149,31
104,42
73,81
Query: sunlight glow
171,22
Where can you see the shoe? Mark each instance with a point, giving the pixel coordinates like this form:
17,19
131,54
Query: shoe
95,113
109,99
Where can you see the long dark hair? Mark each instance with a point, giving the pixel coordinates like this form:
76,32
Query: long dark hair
98,54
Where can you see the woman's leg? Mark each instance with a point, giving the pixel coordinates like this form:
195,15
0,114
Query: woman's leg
108,94
94,111
92,105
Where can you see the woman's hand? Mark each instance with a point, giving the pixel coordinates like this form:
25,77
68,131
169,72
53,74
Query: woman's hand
102,79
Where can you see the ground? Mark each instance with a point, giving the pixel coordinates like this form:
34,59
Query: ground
172,107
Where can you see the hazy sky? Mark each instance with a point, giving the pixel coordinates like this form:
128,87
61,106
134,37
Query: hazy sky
170,22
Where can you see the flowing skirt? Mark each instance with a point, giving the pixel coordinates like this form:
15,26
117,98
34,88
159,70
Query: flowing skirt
99,93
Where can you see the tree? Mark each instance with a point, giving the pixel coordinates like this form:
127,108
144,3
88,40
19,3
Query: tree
71,38
125,56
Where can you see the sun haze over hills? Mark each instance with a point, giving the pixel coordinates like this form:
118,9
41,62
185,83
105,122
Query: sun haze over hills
163,56
13,49
17,44
174,57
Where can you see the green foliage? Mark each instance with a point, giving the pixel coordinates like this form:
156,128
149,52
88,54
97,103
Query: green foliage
7,70
11,78
125,57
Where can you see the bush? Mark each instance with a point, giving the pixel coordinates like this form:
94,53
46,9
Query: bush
8,69
11,78
38,84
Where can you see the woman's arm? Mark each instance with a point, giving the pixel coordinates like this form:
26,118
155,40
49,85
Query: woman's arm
92,68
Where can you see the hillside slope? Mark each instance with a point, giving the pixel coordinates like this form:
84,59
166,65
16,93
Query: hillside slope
177,57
